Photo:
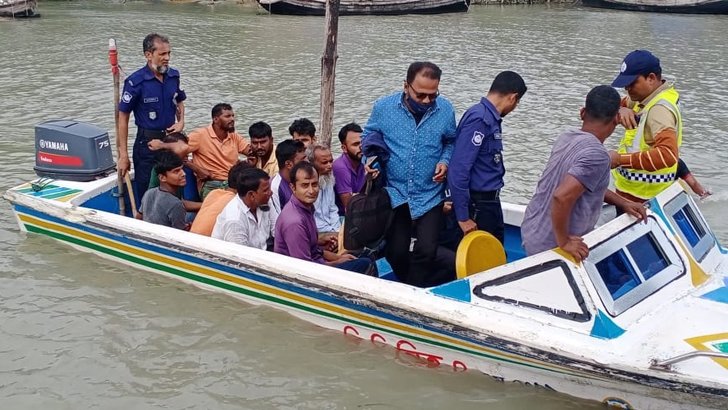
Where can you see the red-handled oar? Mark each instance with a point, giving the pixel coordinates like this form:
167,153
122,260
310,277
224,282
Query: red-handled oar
116,73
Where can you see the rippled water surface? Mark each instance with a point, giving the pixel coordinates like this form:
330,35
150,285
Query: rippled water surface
81,332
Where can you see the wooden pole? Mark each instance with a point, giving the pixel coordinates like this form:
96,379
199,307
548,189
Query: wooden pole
328,72
114,62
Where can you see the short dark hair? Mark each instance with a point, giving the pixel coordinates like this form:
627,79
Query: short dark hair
217,109
346,129
176,136
302,126
508,82
149,41
425,68
286,150
260,130
602,103
249,180
234,173
165,161
307,168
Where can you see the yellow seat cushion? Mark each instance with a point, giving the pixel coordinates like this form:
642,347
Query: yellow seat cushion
478,252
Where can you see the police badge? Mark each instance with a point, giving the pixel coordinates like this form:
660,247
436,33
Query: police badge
152,115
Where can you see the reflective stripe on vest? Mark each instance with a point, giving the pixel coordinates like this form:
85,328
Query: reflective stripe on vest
638,182
649,178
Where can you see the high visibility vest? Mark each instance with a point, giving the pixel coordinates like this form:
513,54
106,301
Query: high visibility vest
638,182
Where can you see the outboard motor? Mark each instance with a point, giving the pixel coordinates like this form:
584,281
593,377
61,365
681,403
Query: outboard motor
72,150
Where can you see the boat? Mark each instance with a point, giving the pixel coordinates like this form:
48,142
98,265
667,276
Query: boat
19,8
671,6
365,7
642,323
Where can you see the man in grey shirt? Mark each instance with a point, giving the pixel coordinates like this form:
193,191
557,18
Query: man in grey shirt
161,205
572,188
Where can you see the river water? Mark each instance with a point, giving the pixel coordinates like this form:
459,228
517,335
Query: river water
80,332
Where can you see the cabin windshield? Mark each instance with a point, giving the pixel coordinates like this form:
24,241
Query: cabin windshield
690,225
633,265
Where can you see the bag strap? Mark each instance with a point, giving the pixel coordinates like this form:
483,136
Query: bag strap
368,185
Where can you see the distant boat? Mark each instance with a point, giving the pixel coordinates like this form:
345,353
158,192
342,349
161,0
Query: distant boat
19,8
365,7
671,6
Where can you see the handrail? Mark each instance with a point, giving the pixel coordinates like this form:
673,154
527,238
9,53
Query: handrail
667,363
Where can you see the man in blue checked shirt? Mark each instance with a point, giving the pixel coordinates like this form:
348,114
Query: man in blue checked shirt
477,171
416,130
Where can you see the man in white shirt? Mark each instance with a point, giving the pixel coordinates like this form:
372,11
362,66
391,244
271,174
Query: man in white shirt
245,220
326,212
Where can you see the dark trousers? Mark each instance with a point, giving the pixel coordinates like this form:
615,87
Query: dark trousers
414,269
359,265
144,159
487,214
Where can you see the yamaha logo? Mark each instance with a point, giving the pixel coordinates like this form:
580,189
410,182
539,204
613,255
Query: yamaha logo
54,145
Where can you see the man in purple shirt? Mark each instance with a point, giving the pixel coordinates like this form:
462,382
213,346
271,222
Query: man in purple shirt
572,188
349,172
295,232
288,154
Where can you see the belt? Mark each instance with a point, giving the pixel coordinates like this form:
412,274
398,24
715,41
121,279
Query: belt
150,134
215,183
485,195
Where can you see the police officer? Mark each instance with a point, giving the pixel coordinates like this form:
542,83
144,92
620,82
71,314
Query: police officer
647,160
153,94
476,167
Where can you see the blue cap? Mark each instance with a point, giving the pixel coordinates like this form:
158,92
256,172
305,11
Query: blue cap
638,62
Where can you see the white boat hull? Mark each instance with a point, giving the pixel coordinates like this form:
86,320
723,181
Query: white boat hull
507,342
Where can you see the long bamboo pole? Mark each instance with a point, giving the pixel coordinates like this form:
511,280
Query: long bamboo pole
328,72
114,62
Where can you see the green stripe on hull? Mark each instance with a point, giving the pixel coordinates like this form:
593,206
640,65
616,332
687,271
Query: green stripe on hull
61,194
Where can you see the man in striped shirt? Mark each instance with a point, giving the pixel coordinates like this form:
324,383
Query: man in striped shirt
646,162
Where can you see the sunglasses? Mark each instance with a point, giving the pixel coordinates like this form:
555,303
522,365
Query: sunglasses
422,96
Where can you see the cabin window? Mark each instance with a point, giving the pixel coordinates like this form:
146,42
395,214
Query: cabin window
617,273
632,265
690,226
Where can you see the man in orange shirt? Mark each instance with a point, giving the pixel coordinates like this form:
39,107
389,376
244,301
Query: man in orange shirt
263,148
215,149
217,200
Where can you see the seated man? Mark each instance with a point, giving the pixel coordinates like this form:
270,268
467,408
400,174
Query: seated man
190,197
161,205
245,219
216,201
295,231
288,154
349,172
303,130
215,149
572,188
326,212
261,140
